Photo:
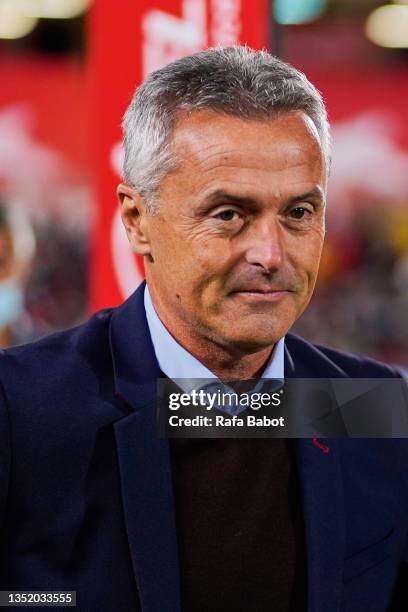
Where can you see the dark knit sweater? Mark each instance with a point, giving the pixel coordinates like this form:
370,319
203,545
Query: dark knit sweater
239,526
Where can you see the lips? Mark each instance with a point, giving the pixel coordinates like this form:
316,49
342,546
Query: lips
260,296
262,290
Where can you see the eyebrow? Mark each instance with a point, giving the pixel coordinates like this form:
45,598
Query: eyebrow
230,198
314,194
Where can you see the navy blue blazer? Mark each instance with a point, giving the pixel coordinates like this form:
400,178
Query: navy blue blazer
86,499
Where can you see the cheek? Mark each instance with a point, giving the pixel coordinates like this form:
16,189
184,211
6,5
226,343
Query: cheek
204,255
306,258
168,248
313,269
210,257
182,265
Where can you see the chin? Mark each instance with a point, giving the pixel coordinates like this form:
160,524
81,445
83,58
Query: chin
257,332
254,340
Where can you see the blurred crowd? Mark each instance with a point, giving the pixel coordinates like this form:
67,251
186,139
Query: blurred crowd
43,276
361,300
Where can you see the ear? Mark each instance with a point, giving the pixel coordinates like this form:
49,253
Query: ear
134,217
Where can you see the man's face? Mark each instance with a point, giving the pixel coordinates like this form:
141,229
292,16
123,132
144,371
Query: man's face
236,241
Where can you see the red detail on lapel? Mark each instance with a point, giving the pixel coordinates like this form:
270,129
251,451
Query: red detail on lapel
323,447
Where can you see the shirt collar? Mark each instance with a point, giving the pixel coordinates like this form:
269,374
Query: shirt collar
175,362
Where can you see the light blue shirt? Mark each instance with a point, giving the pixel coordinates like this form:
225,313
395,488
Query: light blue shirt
177,363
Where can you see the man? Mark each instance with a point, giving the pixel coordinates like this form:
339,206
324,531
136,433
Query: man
227,157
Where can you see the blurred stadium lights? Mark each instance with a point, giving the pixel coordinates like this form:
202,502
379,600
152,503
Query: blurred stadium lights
292,12
54,9
19,17
13,22
387,26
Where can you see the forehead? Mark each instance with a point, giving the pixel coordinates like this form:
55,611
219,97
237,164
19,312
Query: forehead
213,147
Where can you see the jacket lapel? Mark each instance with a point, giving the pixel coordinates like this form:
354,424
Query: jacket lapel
323,511
319,470
144,461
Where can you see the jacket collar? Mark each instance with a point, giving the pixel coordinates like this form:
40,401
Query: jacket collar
134,361
305,360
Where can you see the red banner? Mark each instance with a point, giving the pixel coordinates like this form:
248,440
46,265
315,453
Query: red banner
127,40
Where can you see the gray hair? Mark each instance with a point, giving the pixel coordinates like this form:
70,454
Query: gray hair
235,80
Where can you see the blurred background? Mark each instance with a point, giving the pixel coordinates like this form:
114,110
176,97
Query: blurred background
68,68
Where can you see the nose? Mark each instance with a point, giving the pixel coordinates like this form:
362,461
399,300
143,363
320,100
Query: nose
265,247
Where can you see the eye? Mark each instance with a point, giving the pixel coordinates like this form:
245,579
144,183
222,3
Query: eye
228,214
299,212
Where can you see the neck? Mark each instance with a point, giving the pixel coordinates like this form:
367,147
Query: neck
226,363
229,367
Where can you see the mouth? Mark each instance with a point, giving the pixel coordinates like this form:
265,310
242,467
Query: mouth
262,295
